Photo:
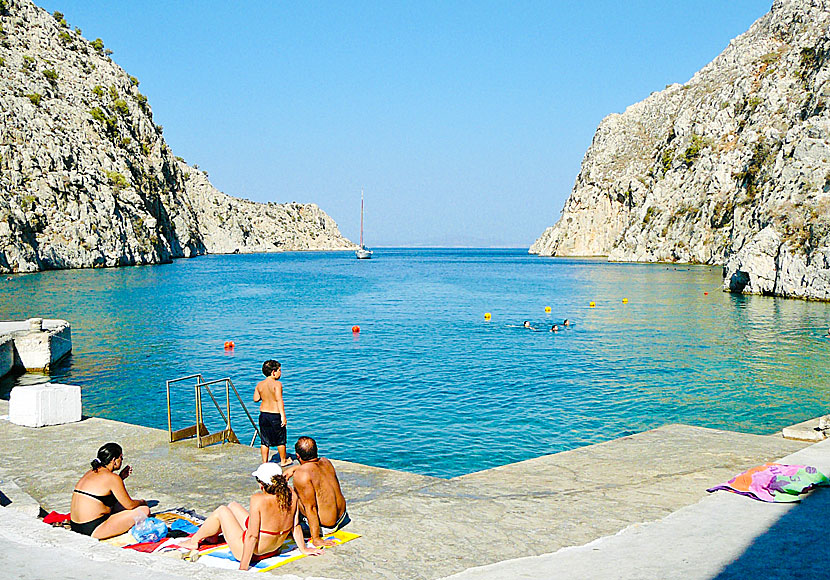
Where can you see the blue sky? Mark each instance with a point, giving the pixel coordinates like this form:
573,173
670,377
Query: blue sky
465,122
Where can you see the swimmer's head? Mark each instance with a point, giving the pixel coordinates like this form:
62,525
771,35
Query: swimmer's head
526,324
566,322
554,328
269,367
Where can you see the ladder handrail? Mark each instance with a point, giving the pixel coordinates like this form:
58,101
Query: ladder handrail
200,382
251,419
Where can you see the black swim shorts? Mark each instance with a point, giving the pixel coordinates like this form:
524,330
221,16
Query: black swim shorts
271,429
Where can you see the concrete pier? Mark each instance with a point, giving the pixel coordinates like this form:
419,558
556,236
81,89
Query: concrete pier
412,526
37,343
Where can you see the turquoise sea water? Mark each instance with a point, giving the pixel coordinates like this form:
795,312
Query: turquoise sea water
428,385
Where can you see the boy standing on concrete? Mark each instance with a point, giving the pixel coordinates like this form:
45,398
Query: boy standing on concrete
271,412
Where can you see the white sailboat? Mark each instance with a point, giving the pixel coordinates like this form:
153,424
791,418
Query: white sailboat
362,253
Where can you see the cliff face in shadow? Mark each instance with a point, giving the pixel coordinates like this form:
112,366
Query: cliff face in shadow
731,168
86,178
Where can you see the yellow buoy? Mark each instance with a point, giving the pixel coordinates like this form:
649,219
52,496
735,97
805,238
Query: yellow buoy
592,304
487,316
547,308
625,300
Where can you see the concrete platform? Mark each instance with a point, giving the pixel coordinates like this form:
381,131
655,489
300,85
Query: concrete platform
413,526
808,430
37,344
724,536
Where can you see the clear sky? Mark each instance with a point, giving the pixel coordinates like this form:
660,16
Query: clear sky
465,122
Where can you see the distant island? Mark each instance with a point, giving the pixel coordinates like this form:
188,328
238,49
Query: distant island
731,168
87,179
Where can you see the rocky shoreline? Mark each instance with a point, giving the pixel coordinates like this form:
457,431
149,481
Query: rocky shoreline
731,168
87,179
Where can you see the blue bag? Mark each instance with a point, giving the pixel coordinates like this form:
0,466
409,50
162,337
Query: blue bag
150,530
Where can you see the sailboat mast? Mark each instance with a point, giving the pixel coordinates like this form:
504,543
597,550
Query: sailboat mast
361,217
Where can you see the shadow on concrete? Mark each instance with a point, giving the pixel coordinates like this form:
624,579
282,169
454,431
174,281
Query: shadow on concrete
794,547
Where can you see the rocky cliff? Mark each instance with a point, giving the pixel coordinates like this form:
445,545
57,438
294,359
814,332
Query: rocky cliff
731,168
86,178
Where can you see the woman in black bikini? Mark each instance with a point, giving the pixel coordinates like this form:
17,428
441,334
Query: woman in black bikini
251,535
101,506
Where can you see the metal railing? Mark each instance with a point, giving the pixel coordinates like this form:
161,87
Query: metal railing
199,430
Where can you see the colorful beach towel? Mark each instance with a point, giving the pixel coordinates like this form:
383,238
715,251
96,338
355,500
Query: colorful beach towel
220,556
774,482
182,519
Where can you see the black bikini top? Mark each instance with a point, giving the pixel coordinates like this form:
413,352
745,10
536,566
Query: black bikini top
108,500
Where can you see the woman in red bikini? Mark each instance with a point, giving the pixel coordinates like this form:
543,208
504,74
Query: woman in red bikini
101,506
258,534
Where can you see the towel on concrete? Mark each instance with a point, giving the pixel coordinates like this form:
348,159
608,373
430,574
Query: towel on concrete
54,517
176,519
775,482
220,556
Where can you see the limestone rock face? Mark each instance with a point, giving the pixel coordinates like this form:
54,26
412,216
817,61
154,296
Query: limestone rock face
230,225
731,168
86,178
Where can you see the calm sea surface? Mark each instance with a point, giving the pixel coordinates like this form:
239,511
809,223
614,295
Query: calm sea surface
428,385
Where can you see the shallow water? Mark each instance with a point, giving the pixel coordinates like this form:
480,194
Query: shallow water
428,385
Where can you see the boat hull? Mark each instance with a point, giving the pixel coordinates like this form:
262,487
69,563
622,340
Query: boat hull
363,254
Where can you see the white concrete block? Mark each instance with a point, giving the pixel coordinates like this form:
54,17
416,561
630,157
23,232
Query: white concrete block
41,405
39,350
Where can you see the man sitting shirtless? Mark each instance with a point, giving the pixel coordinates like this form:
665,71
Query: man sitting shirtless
322,505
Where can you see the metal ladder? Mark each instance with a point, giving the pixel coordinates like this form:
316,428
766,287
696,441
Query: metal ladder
203,436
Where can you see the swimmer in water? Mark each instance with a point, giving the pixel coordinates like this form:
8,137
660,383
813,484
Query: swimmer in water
566,322
554,328
526,324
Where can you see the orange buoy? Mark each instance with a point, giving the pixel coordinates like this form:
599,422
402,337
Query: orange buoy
706,294
355,329
229,345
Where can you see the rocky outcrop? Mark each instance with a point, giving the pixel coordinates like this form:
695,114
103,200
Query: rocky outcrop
731,168
86,178
230,225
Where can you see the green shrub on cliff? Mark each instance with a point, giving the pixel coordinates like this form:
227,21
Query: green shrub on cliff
134,81
98,91
750,178
651,212
666,159
117,180
121,107
97,45
28,63
113,92
27,202
695,147
51,74
59,17
112,126
35,98
97,114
